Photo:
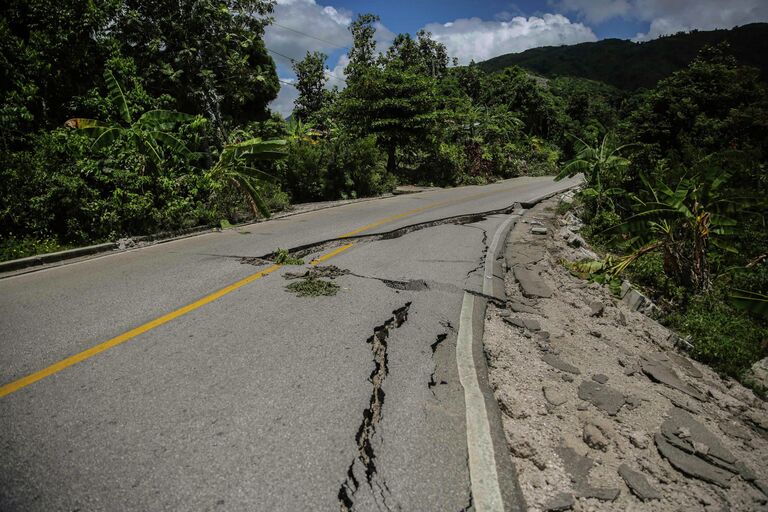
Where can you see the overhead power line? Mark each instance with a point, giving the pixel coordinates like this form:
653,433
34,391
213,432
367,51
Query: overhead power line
333,45
292,60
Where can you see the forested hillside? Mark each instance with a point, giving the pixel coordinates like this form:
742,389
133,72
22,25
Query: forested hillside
628,65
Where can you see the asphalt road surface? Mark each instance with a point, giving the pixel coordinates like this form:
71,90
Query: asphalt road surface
183,376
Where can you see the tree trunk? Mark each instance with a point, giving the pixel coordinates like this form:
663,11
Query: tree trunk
391,159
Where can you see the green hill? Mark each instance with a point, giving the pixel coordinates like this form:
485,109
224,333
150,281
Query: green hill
629,65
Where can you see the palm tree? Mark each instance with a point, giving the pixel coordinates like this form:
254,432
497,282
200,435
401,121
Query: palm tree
149,134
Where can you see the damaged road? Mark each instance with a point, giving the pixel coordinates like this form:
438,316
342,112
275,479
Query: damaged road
199,383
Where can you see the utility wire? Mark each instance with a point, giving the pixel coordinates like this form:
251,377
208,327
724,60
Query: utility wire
292,61
334,45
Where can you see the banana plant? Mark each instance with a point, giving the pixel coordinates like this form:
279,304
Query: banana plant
235,166
682,223
595,162
303,132
149,134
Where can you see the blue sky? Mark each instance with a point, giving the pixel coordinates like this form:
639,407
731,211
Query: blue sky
479,30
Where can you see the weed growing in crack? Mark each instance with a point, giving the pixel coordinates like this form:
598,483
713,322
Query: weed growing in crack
283,257
313,287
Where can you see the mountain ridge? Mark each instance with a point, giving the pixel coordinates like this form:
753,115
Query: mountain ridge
631,65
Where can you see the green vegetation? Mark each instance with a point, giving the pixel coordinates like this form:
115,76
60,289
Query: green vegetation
628,65
144,118
675,194
283,257
153,116
312,287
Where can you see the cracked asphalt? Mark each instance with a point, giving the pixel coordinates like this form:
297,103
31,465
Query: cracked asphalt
258,400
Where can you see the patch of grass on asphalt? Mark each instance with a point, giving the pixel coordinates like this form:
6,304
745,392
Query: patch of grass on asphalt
313,287
283,257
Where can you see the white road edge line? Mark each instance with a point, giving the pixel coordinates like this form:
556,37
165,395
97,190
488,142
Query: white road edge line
484,479
490,255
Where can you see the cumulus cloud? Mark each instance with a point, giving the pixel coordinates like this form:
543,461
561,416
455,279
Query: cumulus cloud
283,104
594,11
669,16
303,25
473,38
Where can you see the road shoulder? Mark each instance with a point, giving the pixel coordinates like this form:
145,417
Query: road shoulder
600,412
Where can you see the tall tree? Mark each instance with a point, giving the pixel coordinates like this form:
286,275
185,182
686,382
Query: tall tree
362,53
310,82
46,59
207,54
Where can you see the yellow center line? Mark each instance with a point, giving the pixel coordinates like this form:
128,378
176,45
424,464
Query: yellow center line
331,254
16,385
23,382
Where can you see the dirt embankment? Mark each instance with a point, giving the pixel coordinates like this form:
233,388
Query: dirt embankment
601,412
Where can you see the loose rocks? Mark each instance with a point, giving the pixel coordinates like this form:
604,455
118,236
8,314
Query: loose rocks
602,397
638,484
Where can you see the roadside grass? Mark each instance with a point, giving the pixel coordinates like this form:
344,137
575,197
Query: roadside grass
313,287
283,257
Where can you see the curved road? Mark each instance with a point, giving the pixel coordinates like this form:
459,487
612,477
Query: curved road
183,376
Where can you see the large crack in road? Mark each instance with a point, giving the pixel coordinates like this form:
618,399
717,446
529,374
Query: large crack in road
366,455
305,250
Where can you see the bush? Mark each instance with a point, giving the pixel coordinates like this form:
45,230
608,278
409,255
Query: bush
340,167
61,191
648,273
358,168
443,166
728,340
12,248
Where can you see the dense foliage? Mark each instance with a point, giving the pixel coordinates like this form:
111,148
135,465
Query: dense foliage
676,195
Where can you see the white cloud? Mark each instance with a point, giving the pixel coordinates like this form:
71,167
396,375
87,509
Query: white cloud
336,76
594,11
669,16
302,25
473,38
283,104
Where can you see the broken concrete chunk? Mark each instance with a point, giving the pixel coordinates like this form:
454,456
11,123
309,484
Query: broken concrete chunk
638,439
594,438
660,372
526,323
578,467
735,429
556,362
685,364
685,433
517,322
538,230
521,449
602,397
596,308
553,396
559,502
532,325
691,465
638,484
518,307
531,283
